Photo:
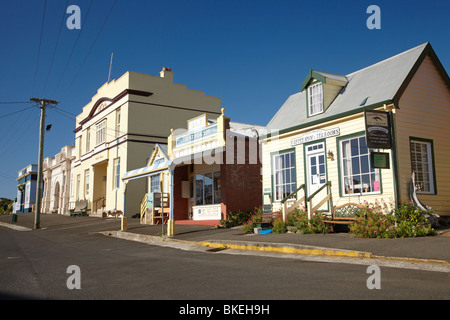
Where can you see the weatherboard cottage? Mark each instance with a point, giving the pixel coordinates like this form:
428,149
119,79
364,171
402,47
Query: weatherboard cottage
374,135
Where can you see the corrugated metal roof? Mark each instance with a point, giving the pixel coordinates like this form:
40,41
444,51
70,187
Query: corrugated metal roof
378,83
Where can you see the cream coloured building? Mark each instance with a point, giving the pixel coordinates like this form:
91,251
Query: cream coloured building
58,182
316,143
118,129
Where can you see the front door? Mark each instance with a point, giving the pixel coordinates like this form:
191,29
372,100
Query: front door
316,171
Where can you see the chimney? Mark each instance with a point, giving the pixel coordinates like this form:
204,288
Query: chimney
167,73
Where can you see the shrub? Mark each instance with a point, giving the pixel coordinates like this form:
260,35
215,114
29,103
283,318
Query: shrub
406,221
279,226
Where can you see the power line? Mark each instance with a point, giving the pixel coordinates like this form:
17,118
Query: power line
9,114
73,49
93,44
17,102
39,48
56,46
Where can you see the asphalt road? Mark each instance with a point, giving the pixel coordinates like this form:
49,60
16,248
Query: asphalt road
33,265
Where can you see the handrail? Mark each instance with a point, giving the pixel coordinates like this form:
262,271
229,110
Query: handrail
292,193
318,190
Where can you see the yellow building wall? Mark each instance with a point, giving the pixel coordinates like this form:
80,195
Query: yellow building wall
425,113
348,126
144,122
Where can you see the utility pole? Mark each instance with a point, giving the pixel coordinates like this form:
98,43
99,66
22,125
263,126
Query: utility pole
43,105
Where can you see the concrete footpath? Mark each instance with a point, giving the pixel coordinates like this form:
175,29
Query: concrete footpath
426,253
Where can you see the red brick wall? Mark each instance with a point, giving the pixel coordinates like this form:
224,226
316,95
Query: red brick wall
241,183
180,205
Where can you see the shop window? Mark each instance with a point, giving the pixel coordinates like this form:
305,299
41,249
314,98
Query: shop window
207,188
315,99
357,175
284,176
422,165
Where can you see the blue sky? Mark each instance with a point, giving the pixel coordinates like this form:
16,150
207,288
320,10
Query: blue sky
251,54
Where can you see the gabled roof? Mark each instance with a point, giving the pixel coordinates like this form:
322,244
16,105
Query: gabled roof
373,86
321,76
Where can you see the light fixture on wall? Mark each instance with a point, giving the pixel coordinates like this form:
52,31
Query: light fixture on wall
330,155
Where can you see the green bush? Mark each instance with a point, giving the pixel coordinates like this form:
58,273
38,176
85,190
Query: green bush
299,219
406,221
279,226
244,218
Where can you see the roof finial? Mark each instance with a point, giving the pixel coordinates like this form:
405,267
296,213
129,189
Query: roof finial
223,111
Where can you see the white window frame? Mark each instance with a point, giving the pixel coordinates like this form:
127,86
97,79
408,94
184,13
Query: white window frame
116,173
100,132
118,118
279,184
86,183
426,164
315,99
343,176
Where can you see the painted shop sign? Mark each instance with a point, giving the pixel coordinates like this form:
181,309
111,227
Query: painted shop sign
378,129
315,135
191,137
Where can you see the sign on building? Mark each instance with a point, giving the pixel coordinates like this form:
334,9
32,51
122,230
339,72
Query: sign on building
378,129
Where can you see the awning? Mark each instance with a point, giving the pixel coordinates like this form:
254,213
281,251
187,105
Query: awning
146,171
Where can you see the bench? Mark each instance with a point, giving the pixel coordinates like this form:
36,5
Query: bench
345,214
80,209
266,220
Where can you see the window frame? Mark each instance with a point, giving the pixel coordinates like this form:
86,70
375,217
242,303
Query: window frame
100,132
341,172
309,98
431,163
215,192
116,173
273,172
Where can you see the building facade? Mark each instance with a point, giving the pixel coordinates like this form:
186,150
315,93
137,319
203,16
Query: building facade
118,129
206,172
318,146
26,189
58,182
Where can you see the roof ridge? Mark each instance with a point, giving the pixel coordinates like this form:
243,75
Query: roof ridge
422,46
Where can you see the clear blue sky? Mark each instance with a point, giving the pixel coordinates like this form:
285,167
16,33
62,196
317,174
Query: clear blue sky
251,54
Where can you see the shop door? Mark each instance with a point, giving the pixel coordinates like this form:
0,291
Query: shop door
316,172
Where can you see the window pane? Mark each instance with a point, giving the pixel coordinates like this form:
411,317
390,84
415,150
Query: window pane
199,189
217,187
354,147
208,185
355,165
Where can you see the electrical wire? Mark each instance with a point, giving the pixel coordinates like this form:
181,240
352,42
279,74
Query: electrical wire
73,49
92,46
9,114
39,48
56,46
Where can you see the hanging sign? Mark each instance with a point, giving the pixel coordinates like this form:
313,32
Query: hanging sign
378,129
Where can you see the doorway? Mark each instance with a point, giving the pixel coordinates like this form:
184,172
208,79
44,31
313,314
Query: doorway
316,171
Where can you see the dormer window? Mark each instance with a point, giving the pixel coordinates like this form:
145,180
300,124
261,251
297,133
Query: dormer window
315,99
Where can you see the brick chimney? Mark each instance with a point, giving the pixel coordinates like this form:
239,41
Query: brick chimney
167,73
